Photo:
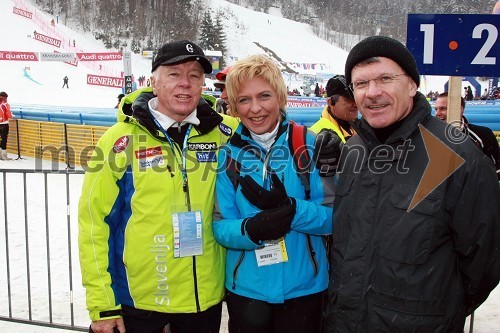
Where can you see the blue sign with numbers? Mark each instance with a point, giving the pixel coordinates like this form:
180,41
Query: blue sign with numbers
455,44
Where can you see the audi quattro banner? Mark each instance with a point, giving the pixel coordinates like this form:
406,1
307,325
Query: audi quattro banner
99,56
18,56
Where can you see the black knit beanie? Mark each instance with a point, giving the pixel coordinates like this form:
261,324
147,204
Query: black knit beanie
381,46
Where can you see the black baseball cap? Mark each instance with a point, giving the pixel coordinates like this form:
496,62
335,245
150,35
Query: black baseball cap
178,52
337,85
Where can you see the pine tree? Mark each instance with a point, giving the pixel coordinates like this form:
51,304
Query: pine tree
220,38
205,39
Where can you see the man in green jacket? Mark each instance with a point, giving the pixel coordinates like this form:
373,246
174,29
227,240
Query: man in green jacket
147,252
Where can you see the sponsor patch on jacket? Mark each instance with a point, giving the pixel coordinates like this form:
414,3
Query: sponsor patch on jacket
202,146
225,129
206,156
121,144
149,157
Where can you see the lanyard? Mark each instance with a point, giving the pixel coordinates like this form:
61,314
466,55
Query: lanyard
172,146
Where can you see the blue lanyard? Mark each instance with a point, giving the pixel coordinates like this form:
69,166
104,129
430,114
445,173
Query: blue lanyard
172,146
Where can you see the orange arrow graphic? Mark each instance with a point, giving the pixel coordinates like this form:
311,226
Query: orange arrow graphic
443,162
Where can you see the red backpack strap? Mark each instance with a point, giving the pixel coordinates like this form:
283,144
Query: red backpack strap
301,157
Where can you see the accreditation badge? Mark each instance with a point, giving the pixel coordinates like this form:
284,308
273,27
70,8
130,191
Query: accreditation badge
188,233
273,252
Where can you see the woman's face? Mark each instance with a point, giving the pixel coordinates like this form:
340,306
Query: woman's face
257,105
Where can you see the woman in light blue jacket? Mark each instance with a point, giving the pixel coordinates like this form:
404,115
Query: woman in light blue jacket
273,221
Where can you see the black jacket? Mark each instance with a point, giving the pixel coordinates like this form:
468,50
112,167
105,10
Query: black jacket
421,270
485,139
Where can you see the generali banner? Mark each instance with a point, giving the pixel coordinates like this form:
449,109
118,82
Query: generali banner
99,56
22,12
18,56
107,81
47,39
305,102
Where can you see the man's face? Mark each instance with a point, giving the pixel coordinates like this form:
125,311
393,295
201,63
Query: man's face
345,108
441,107
178,88
383,104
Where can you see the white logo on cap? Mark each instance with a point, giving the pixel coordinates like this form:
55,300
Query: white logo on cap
189,47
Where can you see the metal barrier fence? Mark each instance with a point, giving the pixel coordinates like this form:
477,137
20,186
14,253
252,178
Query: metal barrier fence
67,143
39,265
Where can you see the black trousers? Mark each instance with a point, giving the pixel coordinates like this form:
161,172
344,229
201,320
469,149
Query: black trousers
4,133
296,315
143,321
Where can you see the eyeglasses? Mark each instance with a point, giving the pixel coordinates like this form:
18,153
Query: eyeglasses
381,81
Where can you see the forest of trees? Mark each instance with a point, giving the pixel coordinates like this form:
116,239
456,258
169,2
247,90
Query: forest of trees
146,24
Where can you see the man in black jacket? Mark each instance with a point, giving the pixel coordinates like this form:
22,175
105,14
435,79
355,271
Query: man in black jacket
415,238
482,136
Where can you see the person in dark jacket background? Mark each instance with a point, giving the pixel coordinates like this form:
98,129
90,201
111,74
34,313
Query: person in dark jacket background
412,252
483,137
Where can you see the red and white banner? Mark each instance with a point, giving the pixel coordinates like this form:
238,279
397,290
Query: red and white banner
22,12
99,56
305,102
19,56
47,39
107,81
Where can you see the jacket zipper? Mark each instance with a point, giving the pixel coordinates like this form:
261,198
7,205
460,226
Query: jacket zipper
185,188
312,254
235,272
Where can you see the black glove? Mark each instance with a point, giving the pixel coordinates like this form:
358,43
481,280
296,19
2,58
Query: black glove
270,223
327,149
262,198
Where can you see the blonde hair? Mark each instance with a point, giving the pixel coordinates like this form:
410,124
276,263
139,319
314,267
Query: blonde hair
250,67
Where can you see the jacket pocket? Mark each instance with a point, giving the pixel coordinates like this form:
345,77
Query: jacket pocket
397,314
408,234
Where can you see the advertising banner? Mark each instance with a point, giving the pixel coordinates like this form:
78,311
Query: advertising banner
303,102
107,81
99,56
22,12
49,56
18,56
47,39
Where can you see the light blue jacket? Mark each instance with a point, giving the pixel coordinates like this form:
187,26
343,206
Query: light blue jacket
306,271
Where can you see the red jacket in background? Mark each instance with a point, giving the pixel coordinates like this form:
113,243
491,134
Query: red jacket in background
5,113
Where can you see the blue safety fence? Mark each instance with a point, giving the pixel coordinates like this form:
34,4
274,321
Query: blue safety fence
485,115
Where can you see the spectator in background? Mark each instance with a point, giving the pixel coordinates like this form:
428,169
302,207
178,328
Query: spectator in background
222,103
485,94
470,95
398,264
5,115
340,111
120,96
65,82
317,91
482,136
